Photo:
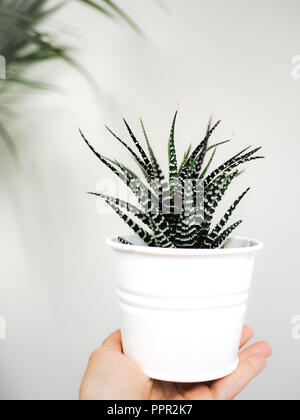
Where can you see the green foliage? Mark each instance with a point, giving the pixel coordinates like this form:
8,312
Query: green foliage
23,44
174,214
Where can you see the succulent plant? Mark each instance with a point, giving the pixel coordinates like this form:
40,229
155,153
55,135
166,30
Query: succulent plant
178,212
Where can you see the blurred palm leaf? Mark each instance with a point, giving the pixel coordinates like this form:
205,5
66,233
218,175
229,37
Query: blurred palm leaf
24,44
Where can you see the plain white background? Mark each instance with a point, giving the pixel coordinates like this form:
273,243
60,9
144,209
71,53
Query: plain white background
232,59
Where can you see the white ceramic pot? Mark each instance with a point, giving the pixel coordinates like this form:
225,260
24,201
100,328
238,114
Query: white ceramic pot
182,310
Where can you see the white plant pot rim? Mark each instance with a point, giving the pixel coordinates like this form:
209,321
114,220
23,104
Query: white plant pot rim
253,246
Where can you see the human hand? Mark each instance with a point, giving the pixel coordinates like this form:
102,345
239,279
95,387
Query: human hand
112,376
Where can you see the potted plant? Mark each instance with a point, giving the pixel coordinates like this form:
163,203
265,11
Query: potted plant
183,281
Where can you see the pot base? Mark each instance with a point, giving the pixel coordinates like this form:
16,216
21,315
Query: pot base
194,378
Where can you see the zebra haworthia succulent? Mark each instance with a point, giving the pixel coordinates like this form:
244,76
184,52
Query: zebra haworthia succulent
178,212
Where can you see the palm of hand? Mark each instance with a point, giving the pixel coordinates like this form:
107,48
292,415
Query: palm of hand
112,376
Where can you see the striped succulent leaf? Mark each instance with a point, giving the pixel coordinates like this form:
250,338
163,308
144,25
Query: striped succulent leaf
213,197
157,172
128,173
204,141
102,158
135,156
133,210
200,160
192,162
142,233
214,146
173,165
216,231
219,241
195,161
124,241
146,175
224,166
185,158
178,212
186,237
205,170
187,234
143,154
159,184
232,163
150,204
127,176
145,196
161,232
215,192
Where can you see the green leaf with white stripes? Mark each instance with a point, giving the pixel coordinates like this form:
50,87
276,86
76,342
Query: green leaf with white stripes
124,241
142,233
133,210
185,158
220,240
173,166
216,231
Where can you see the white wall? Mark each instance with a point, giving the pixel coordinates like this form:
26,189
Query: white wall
231,58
